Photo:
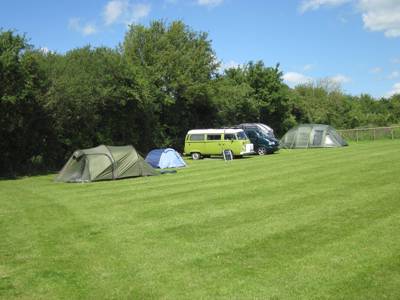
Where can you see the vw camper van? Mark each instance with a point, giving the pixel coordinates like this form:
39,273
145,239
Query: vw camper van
262,137
206,142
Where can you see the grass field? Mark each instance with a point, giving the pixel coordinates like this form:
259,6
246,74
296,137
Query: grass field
300,224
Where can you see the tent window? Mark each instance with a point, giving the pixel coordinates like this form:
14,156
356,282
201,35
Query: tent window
317,140
213,137
197,137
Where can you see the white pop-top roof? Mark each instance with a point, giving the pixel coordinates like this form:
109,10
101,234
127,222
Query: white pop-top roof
214,131
265,127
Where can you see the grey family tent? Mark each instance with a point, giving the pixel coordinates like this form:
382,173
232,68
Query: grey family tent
104,162
312,136
165,158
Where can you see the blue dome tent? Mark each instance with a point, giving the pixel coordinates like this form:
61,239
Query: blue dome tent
165,158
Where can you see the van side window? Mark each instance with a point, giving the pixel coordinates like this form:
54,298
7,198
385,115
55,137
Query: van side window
213,137
197,137
230,137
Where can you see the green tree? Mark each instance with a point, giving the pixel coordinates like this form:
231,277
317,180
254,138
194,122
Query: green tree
234,102
94,99
322,102
24,125
394,109
176,66
259,95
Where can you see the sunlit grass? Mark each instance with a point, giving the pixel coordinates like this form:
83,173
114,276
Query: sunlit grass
321,223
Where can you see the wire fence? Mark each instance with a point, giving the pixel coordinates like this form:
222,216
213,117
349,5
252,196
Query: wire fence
377,133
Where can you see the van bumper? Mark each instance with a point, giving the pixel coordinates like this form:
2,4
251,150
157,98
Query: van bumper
245,153
248,150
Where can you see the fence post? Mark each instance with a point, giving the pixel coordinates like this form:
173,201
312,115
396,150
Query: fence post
374,133
391,131
357,135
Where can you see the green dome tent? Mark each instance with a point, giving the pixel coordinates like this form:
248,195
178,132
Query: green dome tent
104,162
312,136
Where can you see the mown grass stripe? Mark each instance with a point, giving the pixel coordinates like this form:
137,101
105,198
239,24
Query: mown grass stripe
318,223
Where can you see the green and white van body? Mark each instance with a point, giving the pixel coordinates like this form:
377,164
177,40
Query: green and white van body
207,142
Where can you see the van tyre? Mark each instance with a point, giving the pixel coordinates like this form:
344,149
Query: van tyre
261,151
196,156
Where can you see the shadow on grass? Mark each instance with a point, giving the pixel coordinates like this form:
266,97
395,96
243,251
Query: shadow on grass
25,175
220,158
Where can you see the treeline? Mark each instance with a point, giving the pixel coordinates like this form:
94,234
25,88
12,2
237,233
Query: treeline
159,82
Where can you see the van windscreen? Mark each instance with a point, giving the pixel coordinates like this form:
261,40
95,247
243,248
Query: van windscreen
241,135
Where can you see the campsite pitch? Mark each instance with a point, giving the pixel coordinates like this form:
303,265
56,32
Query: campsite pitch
300,224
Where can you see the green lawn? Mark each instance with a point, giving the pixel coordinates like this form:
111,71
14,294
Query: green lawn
300,224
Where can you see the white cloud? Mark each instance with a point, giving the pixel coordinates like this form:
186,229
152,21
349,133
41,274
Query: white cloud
343,19
85,29
308,67
381,15
294,78
395,60
340,79
125,12
209,3
74,24
140,11
395,90
44,50
307,5
394,75
377,15
376,70
112,11
89,29
228,65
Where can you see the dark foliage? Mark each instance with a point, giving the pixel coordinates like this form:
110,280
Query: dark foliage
161,81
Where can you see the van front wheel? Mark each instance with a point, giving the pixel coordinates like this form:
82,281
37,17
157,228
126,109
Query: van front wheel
261,151
196,156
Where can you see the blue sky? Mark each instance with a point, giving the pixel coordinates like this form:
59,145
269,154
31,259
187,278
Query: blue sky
355,43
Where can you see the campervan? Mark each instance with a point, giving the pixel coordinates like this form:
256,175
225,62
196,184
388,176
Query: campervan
206,142
262,136
268,131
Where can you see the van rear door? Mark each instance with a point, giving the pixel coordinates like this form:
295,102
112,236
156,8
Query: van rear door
252,135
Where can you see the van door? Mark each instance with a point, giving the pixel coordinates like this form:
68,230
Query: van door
228,143
214,144
253,136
